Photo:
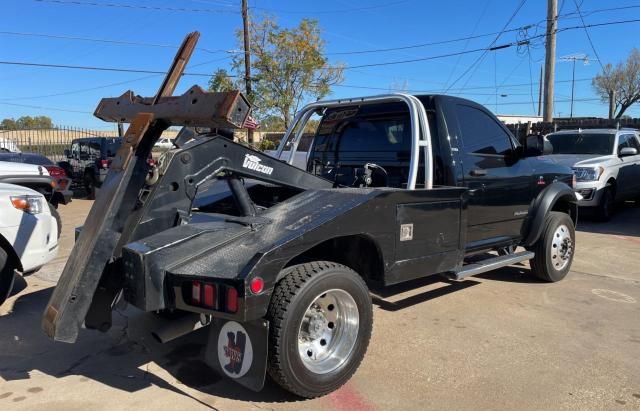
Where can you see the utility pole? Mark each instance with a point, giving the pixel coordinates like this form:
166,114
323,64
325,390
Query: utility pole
573,57
247,59
540,86
550,59
612,108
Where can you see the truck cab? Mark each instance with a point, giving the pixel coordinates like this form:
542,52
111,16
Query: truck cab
471,148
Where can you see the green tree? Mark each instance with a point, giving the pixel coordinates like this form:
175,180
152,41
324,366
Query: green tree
8,124
288,67
221,81
27,122
620,85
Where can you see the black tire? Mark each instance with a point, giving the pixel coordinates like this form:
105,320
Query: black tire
301,286
7,275
604,210
89,186
547,257
56,215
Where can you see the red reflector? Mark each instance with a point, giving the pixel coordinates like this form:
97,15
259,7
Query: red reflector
210,295
232,300
104,163
256,285
195,292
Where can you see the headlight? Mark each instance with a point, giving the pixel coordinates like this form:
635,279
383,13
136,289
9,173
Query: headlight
28,204
587,173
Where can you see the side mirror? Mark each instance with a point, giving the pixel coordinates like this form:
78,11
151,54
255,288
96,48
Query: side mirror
67,153
537,145
628,151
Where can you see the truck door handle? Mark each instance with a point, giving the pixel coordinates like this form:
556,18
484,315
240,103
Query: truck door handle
478,172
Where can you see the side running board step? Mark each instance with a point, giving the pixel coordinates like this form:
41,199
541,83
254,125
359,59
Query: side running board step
491,264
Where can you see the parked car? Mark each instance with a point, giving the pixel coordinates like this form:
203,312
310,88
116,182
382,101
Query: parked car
606,163
88,161
28,234
31,176
62,193
163,144
8,146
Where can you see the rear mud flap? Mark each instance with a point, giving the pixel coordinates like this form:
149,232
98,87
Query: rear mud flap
239,351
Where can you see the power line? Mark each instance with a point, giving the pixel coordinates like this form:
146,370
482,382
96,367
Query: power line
440,56
586,31
46,108
475,63
66,93
353,52
136,6
108,41
372,7
116,69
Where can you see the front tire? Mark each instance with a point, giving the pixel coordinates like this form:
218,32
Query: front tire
56,215
321,319
604,210
90,186
555,248
7,275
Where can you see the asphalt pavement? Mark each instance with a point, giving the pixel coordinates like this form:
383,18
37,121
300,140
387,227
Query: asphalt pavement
501,340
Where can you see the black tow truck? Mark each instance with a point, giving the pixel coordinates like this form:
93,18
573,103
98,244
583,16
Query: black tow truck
277,260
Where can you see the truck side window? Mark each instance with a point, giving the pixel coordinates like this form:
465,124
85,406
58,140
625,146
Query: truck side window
627,140
481,134
633,142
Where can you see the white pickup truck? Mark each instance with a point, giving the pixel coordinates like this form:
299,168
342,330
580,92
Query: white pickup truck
28,234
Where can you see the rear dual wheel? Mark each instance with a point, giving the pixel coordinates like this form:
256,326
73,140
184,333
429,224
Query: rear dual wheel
321,320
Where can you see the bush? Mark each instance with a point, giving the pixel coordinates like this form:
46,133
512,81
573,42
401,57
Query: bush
267,145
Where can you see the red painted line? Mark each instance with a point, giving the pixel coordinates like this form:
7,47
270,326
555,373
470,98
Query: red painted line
632,239
347,398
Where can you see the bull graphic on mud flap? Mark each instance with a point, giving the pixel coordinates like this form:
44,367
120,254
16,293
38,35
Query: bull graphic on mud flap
234,351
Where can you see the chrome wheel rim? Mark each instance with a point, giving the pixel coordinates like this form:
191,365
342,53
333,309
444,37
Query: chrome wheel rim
561,247
328,331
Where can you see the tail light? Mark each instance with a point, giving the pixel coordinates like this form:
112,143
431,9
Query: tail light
195,293
104,163
62,183
151,162
210,294
55,171
232,300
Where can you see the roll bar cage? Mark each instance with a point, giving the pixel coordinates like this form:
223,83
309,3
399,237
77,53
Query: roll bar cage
420,132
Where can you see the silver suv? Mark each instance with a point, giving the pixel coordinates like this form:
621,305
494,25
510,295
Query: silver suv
606,163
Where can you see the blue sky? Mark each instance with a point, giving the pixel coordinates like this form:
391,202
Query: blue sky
377,24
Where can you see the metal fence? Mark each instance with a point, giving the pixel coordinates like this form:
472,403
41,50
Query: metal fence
50,142
521,130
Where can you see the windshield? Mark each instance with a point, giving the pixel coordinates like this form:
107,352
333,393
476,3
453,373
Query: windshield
582,143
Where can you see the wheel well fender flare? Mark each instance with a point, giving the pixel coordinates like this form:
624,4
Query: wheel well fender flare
364,240
8,248
556,197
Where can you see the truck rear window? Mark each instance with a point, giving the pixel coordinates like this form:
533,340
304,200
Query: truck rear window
375,135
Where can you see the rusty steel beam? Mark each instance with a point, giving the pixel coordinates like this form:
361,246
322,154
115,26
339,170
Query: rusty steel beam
89,284
195,108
